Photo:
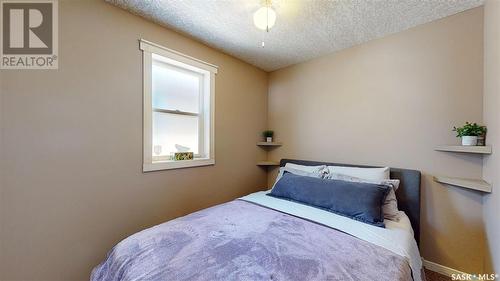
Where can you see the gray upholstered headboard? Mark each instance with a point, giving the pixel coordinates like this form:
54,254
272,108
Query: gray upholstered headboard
408,193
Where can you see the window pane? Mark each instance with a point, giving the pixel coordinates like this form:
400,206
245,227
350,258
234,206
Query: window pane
174,88
172,129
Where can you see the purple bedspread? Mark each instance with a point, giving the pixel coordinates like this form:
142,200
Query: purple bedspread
243,241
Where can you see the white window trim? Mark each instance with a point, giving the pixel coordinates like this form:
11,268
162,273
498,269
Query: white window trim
208,103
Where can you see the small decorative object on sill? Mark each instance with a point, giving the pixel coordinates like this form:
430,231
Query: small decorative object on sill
157,150
180,156
268,135
183,153
471,133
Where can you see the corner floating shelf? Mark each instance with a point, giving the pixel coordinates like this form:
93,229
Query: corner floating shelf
267,146
263,143
268,163
474,184
465,149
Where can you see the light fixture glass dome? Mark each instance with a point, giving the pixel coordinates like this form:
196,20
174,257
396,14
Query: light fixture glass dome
264,18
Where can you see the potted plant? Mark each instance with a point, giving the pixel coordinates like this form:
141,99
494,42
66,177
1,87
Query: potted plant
470,133
268,135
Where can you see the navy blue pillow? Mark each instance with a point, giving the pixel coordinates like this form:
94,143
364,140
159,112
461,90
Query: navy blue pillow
355,200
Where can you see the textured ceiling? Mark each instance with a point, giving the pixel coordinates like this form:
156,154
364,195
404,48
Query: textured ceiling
304,29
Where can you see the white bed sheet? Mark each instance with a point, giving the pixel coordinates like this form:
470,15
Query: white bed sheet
396,237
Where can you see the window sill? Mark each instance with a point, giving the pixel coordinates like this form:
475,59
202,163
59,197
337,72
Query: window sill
169,165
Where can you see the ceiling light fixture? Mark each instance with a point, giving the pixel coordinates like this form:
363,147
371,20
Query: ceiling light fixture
265,17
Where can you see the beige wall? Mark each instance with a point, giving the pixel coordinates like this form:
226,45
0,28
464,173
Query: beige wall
389,102
72,140
492,120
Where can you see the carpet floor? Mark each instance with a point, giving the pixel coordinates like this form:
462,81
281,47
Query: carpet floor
434,276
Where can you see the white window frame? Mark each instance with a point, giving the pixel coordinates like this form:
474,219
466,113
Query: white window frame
206,112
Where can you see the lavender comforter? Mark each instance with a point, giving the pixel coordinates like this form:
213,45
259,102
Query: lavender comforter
240,240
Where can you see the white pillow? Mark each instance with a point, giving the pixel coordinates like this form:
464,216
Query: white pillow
390,206
309,169
375,174
301,170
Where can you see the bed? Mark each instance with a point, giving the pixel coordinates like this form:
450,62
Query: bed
258,237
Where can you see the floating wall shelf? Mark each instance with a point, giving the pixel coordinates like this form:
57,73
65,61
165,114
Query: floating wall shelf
268,146
465,149
474,184
263,143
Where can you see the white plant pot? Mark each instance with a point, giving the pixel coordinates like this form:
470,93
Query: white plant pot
469,140
269,139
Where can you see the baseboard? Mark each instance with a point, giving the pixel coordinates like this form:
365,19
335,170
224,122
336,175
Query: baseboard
444,270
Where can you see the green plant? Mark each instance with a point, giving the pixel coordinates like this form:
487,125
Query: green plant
268,134
470,129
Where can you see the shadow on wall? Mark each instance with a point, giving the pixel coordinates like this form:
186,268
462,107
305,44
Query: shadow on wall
488,259
434,235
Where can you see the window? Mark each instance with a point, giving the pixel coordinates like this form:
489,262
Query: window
179,94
